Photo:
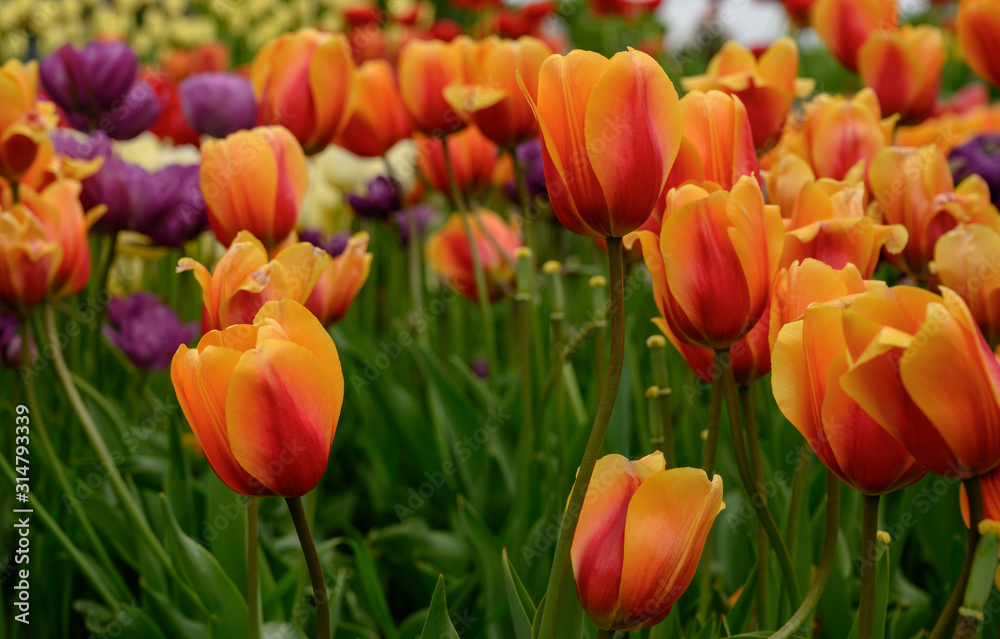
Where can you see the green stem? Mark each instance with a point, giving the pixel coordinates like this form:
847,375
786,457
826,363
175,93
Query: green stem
557,317
605,634
315,568
869,546
714,416
15,191
527,211
477,264
974,491
662,430
253,575
825,561
757,462
414,270
561,562
753,489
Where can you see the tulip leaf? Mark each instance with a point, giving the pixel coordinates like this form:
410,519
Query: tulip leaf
438,624
522,608
372,586
738,617
168,615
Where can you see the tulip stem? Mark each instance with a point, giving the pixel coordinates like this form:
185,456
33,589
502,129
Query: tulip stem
974,491
414,272
753,488
477,264
869,547
605,634
757,462
662,429
825,561
714,416
253,575
315,567
527,210
561,562
15,191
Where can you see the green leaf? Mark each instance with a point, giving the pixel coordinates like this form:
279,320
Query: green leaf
438,624
569,621
738,617
372,586
522,608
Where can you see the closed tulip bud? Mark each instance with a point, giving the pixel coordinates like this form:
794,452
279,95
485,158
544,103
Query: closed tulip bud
264,400
845,25
809,360
904,69
714,261
377,120
255,181
490,97
473,160
44,251
610,131
426,68
967,260
717,145
828,223
921,368
245,279
448,253
304,81
914,187
641,532
341,281
978,27
24,141
218,104
767,86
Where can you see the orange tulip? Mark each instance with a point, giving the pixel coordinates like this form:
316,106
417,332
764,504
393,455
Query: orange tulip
44,252
245,279
845,25
978,27
640,536
920,367
255,181
378,119
784,181
426,68
24,140
967,260
264,400
717,145
914,187
767,86
950,130
341,281
610,131
809,361
714,261
828,223
447,252
490,98
304,81
904,68
473,160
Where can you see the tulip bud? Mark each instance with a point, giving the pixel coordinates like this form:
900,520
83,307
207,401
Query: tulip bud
845,25
978,27
377,120
904,68
967,260
426,68
448,253
218,104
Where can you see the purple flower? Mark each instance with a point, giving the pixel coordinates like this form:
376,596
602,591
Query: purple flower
423,213
980,156
146,330
98,88
481,368
10,342
529,156
382,199
333,244
218,104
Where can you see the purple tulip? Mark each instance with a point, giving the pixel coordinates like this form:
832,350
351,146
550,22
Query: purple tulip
381,201
10,342
218,104
146,330
334,244
423,213
980,156
529,156
98,88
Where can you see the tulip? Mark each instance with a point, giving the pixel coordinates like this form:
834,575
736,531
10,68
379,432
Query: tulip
767,87
448,253
254,180
304,81
978,26
714,261
798,11
218,104
146,330
920,367
529,156
610,131
341,281
808,363
98,88
426,68
473,160
24,141
490,97
640,536
951,129
717,144
334,244
628,9
210,57
845,25
172,124
914,187
381,202
904,68
967,261
980,156
264,400
785,181
245,279
377,120
11,353
44,252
